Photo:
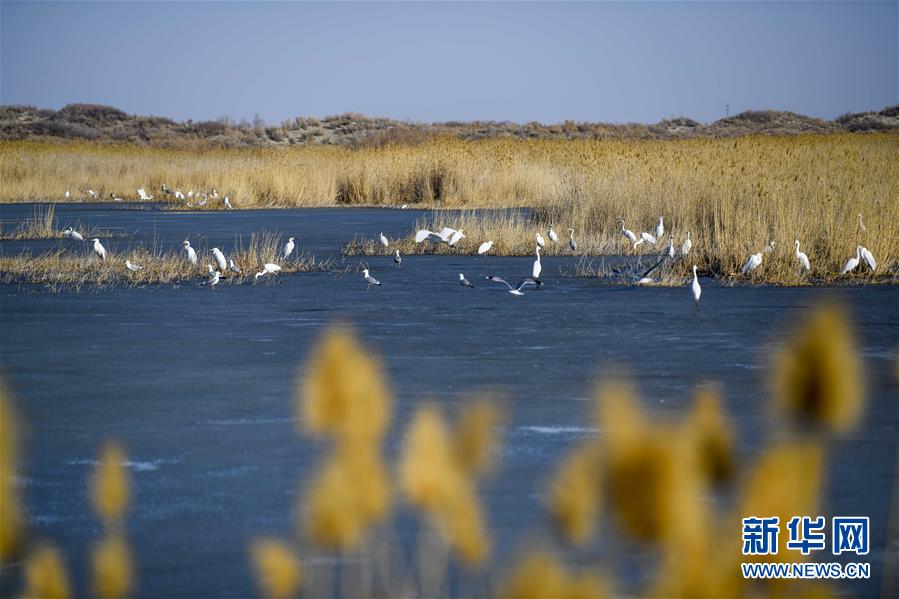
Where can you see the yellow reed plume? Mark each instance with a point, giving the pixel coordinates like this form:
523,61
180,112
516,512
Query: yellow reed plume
712,435
343,392
540,575
111,484
785,482
434,480
332,517
574,497
277,569
817,376
474,437
11,521
113,570
45,575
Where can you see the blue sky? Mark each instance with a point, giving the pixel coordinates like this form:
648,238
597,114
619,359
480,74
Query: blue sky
615,61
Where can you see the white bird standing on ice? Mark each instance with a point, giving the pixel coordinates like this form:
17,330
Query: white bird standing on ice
132,266
383,240
397,259
803,258
671,246
540,241
537,268
628,233
227,203
464,282
660,228
234,268
454,239
268,269
514,290
369,279
191,253
553,236
852,262
220,259
687,246
99,249
288,248
71,232
753,262
697,290
484,248
571,242
868,257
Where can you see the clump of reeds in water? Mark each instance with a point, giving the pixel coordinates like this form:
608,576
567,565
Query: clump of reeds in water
67,267
43,225
673,489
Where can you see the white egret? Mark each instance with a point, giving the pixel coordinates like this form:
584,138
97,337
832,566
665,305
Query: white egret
852,262
215,193
234,268
92,193
67,194
397,259
464,282
537,268
540,241
190,194
190,252
514,290
484,248
444,235
770,247
220,259
697,290
687,246
647,238
671,246
369,279
178,194
753,262
660,228
383,240
803,258
456,237
99,249
553,236
288,248
628,233
571,242
861,225
132,266
868,258
142,194
268,269
404,206
71,232
227,203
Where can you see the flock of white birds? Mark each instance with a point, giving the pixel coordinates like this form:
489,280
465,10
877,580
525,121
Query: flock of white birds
191,198
451,237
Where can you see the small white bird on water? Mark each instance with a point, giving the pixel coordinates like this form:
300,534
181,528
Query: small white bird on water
369,279
514,290
484,248
234,268
464,282
687,246
660,228
697,290
132,266
540,241
383,240
803,258
753,262
553,236
99,249
868,258
852,262
191,254
219,258
71,232
397,259
268,268
537,267
628,233
288,248
571,242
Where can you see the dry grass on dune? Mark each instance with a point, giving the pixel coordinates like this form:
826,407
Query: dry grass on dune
64,266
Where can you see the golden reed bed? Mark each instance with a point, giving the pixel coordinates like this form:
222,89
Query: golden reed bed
734,195
671,491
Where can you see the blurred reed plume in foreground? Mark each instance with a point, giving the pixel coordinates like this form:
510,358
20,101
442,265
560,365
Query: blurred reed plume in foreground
673,489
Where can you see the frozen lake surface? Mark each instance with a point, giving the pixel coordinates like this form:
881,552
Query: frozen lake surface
199,383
